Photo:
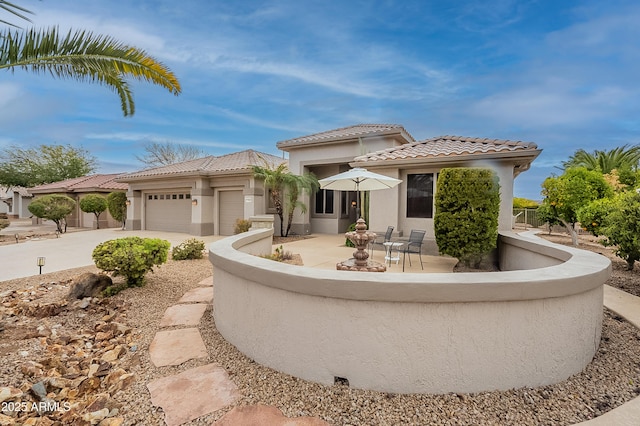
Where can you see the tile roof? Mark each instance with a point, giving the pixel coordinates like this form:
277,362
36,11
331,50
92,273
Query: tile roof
350,132
237,161
448,146
82,184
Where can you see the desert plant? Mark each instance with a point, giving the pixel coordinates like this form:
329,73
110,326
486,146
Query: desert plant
279,255
131,257
94,203
189,249
467,208
241,225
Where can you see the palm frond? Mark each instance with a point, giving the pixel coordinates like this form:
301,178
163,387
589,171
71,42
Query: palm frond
15,10
84,56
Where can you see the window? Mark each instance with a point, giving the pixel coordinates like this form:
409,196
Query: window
324,201
420,195
174,196
180,196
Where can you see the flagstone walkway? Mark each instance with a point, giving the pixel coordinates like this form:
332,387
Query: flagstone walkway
201,390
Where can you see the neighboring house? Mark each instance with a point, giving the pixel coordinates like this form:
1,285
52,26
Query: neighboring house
392,151
79,187
199,197
15,202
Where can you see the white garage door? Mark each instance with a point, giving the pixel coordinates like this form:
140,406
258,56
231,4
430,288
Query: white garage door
168,211
231,209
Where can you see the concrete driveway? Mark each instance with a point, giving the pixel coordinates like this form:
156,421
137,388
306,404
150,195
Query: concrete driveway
71,250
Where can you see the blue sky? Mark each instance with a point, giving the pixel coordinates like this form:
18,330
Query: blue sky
562,74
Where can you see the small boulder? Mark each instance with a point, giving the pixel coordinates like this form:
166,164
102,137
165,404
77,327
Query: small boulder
88,285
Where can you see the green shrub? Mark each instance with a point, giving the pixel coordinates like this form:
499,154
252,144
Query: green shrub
524,203
241,225
190,249
593,215
347,242
467,208
621,227
131,257
54,207
117,205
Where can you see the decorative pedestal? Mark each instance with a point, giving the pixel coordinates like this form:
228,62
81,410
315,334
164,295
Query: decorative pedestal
360,238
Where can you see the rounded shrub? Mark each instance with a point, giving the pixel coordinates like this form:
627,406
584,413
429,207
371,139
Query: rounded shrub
131,257
190,249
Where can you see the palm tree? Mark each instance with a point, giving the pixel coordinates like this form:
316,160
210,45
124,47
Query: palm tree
295,185
605,161
274,178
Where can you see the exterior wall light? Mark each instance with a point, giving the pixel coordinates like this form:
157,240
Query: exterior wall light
40,263
353,204
194,202
127,203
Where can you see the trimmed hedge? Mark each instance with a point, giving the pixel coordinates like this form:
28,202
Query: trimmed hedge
467,208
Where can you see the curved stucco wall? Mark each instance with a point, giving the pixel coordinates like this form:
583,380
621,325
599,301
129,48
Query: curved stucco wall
414,333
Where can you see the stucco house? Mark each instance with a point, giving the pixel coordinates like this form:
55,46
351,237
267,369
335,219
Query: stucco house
15,202
390,150
206,196
200,197
79,187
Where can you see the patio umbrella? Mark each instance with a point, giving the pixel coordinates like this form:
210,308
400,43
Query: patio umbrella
358,179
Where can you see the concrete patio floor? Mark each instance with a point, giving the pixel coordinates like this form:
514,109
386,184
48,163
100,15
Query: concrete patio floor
324,251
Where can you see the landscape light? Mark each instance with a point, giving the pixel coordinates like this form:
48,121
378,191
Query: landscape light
40,263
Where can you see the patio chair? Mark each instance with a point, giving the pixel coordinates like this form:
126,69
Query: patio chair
414,245
387,238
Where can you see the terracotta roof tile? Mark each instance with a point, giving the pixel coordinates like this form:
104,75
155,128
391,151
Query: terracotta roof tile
344,133
237,161
447,146
82,184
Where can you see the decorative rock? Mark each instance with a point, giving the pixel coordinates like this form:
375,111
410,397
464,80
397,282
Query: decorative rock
9,393
265,415
39,390
96,416
6,420
206,282
112,421
88,285
113,354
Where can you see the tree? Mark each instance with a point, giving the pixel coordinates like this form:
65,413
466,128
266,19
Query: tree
467,208
94,203
621,227
117,205
162,154
282,183
45,164
82,56
568,193
294,186
605,161
53,207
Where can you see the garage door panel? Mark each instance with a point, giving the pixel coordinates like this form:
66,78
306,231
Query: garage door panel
168,211
231,208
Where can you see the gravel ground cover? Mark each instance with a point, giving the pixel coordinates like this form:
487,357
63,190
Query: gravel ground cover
611,379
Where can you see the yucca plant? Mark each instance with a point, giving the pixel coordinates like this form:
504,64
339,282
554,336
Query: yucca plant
84,56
